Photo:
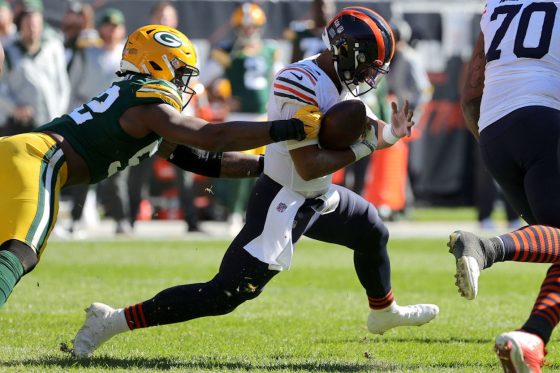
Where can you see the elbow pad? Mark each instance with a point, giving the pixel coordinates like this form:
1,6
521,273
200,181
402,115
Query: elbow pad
198,161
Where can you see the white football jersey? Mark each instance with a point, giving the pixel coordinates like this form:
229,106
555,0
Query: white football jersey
522,47
299,84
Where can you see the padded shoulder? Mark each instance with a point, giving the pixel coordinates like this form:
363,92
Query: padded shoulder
160,89
296,83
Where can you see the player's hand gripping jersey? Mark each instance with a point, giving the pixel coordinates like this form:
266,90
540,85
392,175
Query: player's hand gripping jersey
299,84
94,131
520,38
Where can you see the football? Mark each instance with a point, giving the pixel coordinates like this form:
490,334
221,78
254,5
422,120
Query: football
342,125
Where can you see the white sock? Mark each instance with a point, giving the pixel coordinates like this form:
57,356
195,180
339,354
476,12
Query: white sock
118,321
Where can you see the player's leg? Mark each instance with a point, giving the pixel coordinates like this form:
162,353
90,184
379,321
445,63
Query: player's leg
524,349
534,153
356,225
524,163
34,165
113,195
241,277
137,179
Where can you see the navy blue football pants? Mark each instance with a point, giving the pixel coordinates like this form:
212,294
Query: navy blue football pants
520,151
354,224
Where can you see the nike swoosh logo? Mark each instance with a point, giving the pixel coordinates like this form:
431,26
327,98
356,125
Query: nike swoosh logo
299,77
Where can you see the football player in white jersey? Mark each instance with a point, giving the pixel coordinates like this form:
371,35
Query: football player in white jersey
511,103
294,197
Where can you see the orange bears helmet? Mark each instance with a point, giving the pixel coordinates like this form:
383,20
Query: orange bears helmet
362,44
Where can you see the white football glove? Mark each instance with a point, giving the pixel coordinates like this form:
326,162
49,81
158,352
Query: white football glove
365,146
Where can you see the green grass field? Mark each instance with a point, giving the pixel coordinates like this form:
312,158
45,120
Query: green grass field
311,318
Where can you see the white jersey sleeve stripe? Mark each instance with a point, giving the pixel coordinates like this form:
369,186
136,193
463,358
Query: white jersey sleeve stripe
282,90
296,84
295,70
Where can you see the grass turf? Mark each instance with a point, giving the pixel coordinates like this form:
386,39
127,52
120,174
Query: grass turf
311,318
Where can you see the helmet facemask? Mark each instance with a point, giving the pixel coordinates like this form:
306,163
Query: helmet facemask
355,67
182,79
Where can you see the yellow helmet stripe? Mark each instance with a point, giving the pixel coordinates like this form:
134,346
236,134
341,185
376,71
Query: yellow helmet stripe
161,95
161,87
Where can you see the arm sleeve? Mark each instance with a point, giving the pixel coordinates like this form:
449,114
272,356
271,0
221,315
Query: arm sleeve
198,161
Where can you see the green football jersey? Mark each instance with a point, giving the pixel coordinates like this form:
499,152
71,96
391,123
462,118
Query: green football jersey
94,132
250,78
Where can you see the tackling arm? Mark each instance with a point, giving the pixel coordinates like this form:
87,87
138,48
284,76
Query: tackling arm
471,94
212,164
165,121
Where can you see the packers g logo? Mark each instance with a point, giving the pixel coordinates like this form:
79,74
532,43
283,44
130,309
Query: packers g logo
168,39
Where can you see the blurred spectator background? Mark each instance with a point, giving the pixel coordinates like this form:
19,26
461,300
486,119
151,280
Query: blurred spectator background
238,75
93,57
175,187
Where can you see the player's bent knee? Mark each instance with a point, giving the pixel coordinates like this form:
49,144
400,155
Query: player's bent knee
382,234
375,236
229,299
26,255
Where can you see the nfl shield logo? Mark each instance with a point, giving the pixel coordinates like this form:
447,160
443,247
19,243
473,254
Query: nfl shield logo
281,207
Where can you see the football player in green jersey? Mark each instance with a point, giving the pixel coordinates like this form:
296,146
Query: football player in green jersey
120,127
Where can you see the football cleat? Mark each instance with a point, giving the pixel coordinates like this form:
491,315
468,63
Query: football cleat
379,321
102,323
520,352
469,256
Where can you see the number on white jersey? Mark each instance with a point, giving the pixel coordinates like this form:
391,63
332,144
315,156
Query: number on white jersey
529,23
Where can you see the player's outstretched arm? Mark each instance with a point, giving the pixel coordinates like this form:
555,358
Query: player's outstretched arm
471,92
229,136
212,164
401,126
241,165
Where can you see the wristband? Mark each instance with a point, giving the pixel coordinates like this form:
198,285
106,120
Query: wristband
362,149
286,129
388,135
